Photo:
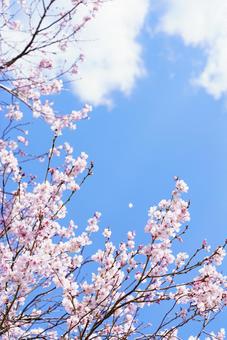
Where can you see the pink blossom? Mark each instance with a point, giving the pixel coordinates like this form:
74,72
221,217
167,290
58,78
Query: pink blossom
46,63
107,233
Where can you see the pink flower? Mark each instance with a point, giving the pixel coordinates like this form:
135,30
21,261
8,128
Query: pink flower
46,63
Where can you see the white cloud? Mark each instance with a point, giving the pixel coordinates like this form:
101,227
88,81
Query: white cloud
202,23
112,53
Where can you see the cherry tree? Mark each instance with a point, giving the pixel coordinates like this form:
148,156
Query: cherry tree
53,284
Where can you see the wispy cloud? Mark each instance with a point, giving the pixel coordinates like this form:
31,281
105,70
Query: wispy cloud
202,23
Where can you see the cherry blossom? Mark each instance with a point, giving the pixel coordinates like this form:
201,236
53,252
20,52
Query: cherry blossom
56,282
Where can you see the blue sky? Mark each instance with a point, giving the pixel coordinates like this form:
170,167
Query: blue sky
165,116
167,126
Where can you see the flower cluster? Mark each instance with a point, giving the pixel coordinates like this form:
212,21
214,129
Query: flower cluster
55,32
41,259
